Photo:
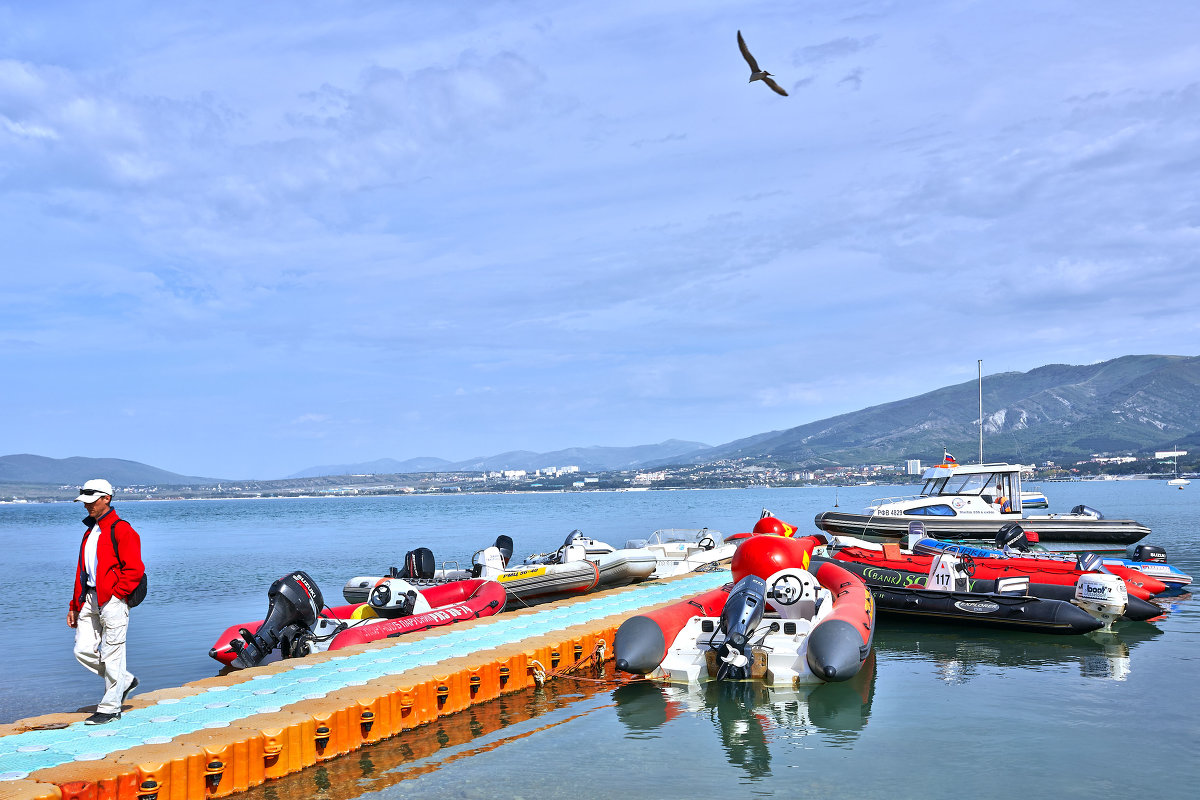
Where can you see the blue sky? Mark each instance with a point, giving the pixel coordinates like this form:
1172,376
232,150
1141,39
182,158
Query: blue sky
243,239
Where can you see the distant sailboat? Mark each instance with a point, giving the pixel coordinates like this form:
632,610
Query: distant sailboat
1177,481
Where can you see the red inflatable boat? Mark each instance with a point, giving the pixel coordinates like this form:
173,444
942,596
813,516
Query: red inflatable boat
298,623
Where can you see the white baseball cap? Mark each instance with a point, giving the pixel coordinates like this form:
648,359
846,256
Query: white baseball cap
93,489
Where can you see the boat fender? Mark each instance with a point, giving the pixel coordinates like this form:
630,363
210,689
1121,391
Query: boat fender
793,593
1101,595
836,650
396,597
641,645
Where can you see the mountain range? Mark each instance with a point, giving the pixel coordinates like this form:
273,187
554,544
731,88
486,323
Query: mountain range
1060,412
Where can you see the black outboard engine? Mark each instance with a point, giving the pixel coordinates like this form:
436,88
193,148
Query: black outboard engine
1087,511
1148,552
1011,536
505,545
294,604
743,611
419,564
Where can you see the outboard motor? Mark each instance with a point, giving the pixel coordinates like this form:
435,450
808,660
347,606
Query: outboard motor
1090,562
1087,511
396,597
1102,595
419,564
742,613
295,602
1147,552
504,544
1011,536
793,593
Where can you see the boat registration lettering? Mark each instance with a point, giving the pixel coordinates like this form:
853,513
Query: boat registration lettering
516,575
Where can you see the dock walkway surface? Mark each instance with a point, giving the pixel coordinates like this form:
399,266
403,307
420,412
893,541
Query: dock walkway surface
227,733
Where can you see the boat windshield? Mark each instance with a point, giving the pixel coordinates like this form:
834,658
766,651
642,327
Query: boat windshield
687,535
933,486
973,483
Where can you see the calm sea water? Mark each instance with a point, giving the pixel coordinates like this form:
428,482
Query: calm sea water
943,712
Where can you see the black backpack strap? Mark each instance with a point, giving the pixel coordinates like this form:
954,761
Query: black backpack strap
112,532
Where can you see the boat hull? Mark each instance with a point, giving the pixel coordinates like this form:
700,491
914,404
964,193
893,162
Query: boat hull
1065,528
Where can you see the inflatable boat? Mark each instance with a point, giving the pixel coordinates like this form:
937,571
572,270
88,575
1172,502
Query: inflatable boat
681,550
298,623
791,627
893,576
1014,541
948,595
890,555
581,565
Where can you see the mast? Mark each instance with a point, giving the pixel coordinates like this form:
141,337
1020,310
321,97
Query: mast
980,365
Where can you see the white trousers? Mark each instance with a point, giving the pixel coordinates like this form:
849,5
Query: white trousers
100,646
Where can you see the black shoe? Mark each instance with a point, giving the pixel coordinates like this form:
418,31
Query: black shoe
129,689
99,718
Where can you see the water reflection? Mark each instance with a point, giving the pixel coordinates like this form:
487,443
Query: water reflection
447,741
959,657
750,717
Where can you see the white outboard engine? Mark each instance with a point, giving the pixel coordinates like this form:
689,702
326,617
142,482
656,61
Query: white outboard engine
793,593
295,603
947,573
1102,595
396,597
742,613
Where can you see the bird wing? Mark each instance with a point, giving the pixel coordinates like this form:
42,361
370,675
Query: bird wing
775,86
746,53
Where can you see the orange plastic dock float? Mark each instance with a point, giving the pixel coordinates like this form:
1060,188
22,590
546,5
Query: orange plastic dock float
223,735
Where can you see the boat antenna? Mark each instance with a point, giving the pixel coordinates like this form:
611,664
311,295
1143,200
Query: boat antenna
980,365
835,491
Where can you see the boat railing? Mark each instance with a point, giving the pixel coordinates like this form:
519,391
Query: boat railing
887,500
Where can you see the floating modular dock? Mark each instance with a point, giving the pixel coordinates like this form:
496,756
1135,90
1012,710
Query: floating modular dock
223,735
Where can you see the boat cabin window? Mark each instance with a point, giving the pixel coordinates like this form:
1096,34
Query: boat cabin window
933,486
967,484
939,510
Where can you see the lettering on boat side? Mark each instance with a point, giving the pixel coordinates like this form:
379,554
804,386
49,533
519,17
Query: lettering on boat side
531,572
977,606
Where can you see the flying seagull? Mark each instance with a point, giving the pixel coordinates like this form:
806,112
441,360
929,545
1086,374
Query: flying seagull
757,74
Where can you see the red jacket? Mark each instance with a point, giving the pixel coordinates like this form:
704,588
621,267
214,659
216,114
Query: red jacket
117,573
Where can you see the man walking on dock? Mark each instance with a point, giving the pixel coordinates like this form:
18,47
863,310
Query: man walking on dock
109,570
